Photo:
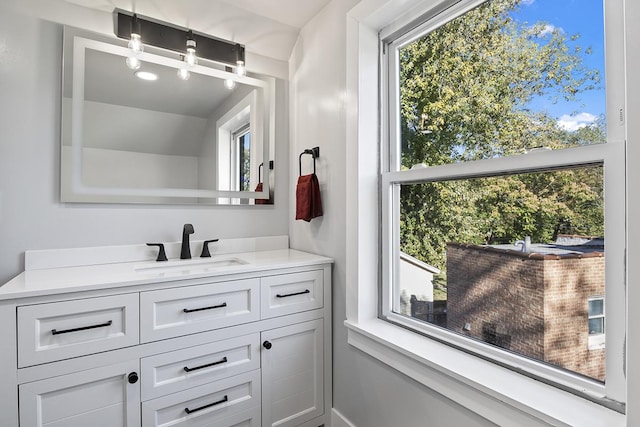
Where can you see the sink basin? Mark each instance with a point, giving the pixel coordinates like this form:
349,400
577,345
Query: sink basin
206,264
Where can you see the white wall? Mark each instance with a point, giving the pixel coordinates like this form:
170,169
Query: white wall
366,392
416,278
31,215
126,169
139,130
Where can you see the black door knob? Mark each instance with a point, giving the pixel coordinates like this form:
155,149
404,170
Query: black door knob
267,345
133,377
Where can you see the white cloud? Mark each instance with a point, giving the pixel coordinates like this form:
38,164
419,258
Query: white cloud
549,29
528,2
541,30
577,121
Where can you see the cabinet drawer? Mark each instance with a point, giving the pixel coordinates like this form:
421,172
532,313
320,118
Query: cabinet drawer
292,293
179,311
61,330
179,370
206,405
249,418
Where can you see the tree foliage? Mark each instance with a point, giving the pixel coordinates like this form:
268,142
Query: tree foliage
465,91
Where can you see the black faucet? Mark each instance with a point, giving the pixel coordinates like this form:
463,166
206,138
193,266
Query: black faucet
186,250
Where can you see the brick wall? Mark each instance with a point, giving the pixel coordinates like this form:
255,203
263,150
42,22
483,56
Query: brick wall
533,304
488,288
569,283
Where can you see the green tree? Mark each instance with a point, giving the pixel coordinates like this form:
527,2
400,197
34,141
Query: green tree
465,89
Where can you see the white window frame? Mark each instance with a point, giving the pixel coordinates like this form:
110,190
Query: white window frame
609,153
597,341
235,165
498,394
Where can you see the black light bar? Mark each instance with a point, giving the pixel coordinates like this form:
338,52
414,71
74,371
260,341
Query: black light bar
171,37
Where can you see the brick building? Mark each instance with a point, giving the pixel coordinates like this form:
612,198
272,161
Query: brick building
536,303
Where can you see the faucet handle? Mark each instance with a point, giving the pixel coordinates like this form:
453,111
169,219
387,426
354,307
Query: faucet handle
205,248
162,256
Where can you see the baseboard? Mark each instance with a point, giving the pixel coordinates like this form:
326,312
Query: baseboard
338,420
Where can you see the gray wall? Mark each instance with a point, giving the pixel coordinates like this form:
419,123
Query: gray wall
31,215
367,392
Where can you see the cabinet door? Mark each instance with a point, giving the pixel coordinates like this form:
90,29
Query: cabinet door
101,397
292,374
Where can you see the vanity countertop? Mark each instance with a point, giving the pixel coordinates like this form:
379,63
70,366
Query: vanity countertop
62,280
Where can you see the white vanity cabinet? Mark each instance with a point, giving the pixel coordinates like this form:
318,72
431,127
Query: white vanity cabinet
244,348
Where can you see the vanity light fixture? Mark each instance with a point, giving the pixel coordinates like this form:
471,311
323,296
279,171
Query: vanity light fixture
183,73
191,58
135,44
133,62
128,26
229,83
241,70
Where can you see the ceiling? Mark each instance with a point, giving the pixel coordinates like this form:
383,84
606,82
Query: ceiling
109,81
265,27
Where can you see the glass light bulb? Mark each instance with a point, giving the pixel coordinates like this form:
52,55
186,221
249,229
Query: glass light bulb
135,44
230,84
183,74
190,58
133,62
241,70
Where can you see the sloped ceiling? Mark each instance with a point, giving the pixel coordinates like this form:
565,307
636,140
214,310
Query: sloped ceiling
265,27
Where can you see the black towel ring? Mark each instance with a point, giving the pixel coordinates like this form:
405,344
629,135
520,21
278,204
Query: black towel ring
259,170
315,153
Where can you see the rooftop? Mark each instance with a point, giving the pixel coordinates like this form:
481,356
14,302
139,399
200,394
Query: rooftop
564,247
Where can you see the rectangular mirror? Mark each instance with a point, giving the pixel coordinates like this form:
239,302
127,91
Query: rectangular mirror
168,140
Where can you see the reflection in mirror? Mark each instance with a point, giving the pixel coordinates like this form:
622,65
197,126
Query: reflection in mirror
166,140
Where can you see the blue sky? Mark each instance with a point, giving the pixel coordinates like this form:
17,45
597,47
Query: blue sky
583,17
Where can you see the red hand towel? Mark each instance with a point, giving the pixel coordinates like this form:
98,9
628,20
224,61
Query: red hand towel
308,200
262,201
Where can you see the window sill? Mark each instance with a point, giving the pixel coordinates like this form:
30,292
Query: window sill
596,342
497,394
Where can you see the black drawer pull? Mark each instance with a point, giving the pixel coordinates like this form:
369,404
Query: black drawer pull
191,411
306,291
191,310
82,328
223,360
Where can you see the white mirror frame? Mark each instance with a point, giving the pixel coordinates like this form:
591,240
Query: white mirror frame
74,190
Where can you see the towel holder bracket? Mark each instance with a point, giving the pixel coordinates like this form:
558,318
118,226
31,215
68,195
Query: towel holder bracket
260,169
315,153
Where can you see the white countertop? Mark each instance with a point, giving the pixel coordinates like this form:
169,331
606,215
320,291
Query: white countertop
61,280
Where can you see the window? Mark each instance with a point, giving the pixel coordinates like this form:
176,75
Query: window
241,155
596,342
503,177
235,152
596,316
